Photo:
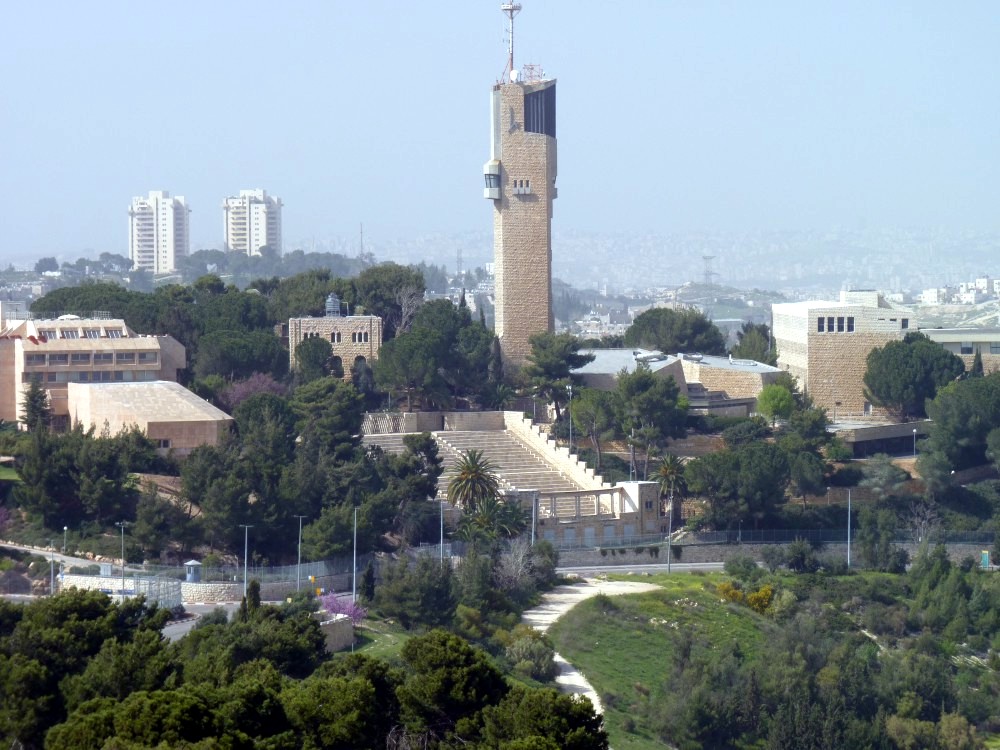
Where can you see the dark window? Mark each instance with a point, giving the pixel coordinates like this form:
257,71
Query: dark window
540,111
492,180
840,325
819,325
966,347
829,324
904,323
850,325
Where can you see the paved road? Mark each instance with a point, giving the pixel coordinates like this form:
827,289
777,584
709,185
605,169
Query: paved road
57,556
595,570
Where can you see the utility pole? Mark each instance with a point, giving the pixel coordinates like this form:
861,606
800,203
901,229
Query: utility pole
122,525
441,543
848,528
354,569
52,569
298,567
670,523
246,553
569,413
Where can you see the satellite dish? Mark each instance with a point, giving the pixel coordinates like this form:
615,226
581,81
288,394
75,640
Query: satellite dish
514,75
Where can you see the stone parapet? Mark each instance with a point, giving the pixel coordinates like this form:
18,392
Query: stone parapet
560,458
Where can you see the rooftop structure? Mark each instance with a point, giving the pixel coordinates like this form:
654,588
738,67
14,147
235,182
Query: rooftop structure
353,338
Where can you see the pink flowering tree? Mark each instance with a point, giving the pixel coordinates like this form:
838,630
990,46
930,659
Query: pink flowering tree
344,606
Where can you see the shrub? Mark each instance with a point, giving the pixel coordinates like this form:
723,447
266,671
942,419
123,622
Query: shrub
729,592
799,556
761,599
773,556
336,605
743,568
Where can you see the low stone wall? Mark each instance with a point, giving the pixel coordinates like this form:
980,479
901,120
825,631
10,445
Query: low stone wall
560,458
337,629
214,592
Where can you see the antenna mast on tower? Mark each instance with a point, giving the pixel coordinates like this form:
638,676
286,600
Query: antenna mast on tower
510,10
709,273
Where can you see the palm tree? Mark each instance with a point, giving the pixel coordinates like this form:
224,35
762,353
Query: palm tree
475,481
670,475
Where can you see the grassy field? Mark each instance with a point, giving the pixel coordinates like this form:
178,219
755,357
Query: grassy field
383,640
624,644
9,474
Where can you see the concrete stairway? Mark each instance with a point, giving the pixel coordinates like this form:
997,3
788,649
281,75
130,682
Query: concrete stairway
518,465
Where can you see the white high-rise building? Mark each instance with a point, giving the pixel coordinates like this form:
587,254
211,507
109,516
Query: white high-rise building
158,231
253,220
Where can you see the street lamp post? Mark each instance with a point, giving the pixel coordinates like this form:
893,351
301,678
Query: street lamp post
246,553
354,568
914,442
670,523
65,530
848,528
441,542
298,567
122,525
52,569
569,413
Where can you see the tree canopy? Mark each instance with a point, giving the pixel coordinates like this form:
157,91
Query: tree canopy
902,375
673,331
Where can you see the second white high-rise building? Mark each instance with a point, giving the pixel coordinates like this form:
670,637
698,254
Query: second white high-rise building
158,233
253,221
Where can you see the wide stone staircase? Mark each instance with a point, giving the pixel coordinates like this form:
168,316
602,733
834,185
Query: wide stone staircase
518,465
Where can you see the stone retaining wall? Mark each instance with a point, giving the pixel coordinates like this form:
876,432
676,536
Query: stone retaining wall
715,553
559,458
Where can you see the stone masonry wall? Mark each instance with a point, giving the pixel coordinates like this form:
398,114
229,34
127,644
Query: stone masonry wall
216,592
560,458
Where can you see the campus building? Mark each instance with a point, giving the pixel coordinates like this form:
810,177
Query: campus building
965,342
825,345
521,181
158,232
252,221
352,338
71,349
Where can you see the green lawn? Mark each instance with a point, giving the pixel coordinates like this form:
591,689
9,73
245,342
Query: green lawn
380,639
624,644
9,474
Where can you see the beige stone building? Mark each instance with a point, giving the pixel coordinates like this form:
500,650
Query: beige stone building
71,349
965,342
733,378
352,337
521,181
825,344
168,413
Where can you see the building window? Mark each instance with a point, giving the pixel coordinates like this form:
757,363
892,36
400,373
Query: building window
58,359
966,347
649,505
163,443
492,180
70,333
48,333
104,358
850,325
119,376
114,333
92,333
995,348
33,360
840,325
335,337
125,358
83,376
148,358
904,323
80,358
829,324
50,377
819,324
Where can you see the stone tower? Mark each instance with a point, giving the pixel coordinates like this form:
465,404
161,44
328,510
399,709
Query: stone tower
521,182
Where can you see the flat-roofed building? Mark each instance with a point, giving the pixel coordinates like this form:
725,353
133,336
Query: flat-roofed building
825,344
965,342
734,378
169,414
71,349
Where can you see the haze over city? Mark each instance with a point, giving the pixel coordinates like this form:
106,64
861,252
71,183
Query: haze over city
673,117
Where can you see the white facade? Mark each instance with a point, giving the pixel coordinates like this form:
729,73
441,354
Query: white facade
252,221
158,231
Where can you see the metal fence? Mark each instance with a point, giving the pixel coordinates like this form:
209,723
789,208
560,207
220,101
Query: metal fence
263,573
773,536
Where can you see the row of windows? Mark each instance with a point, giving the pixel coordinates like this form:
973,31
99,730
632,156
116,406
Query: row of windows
840,323
98,358
967,347
357,337
85,376
76,333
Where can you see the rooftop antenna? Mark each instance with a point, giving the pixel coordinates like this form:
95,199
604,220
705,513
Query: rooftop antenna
510,10
709,273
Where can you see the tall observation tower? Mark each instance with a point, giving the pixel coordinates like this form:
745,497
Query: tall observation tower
521,182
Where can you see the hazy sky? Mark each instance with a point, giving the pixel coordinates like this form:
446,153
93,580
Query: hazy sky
673,116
